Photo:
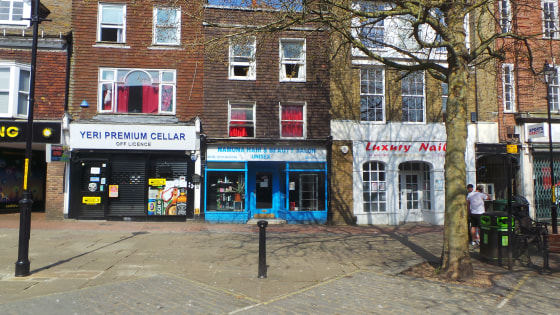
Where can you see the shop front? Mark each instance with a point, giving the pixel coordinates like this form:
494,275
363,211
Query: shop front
133,172
246,182
12,157
399,181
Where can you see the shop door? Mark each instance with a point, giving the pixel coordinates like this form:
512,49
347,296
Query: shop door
128,175
264,195
410,196
91,198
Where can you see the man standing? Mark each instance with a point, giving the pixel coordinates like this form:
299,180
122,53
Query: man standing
475,202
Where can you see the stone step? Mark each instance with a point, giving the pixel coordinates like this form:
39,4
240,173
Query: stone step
270,221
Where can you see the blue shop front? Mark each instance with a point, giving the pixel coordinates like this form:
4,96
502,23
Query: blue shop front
246,182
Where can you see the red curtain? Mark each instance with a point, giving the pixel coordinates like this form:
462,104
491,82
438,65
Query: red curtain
150,99
237,117
292,121
122,99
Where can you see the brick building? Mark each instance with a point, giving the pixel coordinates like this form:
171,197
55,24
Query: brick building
266,126
135,101
53,44
522,98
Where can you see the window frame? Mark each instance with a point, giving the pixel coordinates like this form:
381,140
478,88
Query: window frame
505,16
380,186
406,79
553,92
550,31
166,26
301,61
13,91
249,123
121,28
508,87
251,63
370,26
26,14
163,83
373,95
303,121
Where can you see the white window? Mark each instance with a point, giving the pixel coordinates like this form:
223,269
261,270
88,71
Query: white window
372,95
292,60
167,26
14,90
143,91
550,18
292,120
111,23
413,97
444,97
505,15
374,185
372,30
14,12
553,92
242,63
241,119
508,87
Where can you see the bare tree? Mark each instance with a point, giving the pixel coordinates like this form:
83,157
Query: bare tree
467,33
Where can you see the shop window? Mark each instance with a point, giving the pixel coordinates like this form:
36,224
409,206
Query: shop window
413,99
142,91
242,62
14,90
111,23
306,191
241,119
372,95
167,26
15,12
292,120
292,60
226,191
374,187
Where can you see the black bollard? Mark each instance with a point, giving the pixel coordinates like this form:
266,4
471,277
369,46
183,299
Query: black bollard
262,248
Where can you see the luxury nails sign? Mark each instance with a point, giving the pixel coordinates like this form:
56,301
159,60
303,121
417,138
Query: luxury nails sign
132,137
405,148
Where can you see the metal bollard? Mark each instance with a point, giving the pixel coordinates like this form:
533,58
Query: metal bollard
262,248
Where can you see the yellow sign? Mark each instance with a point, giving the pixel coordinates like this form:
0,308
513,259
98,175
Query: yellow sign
91,200
511,148
156,181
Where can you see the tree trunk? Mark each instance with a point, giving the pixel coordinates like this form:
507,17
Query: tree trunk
456,263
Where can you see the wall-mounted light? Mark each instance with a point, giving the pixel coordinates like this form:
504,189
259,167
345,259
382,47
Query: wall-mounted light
84,104
194,156
344,149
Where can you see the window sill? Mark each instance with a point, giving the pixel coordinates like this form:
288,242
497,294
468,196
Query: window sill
111,45
165,47
242,78
293,80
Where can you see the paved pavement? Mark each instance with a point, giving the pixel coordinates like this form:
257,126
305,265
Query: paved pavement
101,267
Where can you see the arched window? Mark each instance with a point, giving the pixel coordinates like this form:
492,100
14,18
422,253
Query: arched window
374,187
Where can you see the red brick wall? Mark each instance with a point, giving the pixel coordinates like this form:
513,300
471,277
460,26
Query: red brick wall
137,52
50,80
54,195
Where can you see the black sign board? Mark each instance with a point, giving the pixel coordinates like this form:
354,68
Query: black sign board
43,132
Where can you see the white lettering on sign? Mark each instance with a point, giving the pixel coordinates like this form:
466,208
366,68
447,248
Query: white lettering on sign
265,153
